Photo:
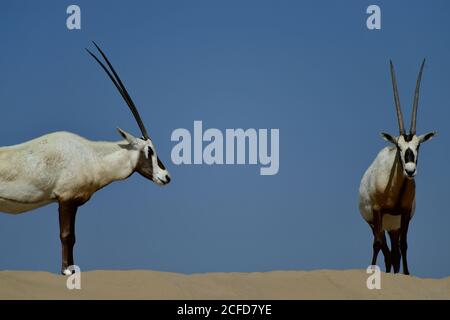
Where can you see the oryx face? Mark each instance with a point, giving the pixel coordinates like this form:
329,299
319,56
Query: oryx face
407,143
150,166
408,150
148,163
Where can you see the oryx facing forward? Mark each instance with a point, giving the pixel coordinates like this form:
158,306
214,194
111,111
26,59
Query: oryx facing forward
66,168
387,190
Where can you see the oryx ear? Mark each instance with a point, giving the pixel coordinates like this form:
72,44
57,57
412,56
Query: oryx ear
127,136
389,138
427,136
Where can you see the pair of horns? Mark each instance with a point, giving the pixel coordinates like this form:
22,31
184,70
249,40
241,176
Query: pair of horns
121,88
401,124
124,93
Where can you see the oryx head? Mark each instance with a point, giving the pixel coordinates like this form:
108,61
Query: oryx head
407,143
148,164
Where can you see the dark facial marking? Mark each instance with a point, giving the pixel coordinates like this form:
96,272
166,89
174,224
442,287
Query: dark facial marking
161,165
408,137
409,155
150,152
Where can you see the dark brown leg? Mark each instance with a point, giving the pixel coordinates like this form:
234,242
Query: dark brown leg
384,248
404,240
395,250
386,253
67,213
377,236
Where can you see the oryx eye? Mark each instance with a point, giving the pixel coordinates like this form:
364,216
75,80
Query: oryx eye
150,152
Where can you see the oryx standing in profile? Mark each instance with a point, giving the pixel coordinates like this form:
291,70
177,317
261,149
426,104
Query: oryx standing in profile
66,168
387,192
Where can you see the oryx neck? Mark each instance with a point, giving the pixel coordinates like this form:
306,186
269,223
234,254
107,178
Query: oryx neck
117,160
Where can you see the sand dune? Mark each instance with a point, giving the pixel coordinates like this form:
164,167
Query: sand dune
140,284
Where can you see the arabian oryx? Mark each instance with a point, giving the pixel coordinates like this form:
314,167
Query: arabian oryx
387,191
66,168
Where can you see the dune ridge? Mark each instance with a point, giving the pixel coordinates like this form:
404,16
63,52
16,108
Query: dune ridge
147,284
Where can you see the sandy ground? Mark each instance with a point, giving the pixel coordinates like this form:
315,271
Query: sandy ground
140,284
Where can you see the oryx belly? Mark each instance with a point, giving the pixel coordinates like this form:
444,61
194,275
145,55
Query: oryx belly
16,207
391,222
20,196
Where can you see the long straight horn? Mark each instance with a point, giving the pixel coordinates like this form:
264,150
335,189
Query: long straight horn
412,130
121,88
401,125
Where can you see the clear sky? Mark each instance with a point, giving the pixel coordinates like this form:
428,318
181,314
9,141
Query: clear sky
310,68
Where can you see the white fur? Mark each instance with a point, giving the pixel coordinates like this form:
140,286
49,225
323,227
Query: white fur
64,166
375,180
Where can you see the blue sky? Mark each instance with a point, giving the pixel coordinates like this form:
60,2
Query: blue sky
310,68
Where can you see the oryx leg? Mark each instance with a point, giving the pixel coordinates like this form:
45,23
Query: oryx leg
395,249
67,213
386,253
384,248
404,240
379,241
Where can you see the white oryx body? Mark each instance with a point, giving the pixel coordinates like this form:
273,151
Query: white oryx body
387,193
66,168
60,166
380,188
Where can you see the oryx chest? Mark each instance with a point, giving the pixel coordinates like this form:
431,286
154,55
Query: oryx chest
78,184
392,204
395,199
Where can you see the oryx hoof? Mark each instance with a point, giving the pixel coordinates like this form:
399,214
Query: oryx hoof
66,272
